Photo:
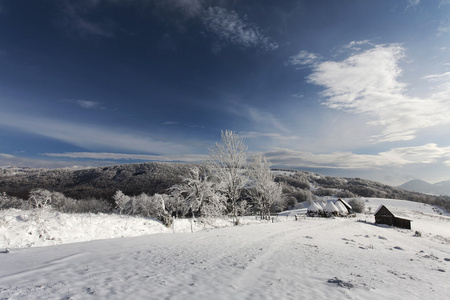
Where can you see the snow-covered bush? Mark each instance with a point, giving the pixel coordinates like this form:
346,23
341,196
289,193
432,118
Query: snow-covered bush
10,202
144,205
357,204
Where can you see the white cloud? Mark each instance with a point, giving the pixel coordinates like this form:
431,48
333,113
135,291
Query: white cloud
87,103
357,45
253,134
90,136
126,156
437,77
303,58
367,83
4,155
353,44
232,28
426,154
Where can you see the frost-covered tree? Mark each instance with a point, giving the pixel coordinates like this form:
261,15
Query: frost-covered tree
121,200
40,198
201,195
228,164
162,214
263,189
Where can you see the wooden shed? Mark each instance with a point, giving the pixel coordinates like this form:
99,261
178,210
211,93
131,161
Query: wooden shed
385,216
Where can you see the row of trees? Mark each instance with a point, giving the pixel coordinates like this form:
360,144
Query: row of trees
226,184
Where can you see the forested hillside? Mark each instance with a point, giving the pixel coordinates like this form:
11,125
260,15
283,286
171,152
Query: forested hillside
101,182
157,177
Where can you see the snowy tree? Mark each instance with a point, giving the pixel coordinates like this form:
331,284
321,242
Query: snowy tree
176,203
228,164
40,198
121,200
264,190
201,195
160,209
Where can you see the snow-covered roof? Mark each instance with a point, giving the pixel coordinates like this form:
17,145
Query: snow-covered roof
395,213
348,206
340,206
330,207
314,207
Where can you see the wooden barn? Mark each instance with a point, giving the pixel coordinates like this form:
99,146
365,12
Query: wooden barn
384,216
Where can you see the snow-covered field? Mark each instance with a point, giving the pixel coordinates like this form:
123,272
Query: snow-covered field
312,258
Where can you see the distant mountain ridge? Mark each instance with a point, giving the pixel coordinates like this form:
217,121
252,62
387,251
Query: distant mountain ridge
416,185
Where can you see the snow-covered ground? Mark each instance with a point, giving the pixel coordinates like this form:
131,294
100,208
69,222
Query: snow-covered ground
312,258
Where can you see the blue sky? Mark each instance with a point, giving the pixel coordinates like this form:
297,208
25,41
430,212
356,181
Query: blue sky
343,88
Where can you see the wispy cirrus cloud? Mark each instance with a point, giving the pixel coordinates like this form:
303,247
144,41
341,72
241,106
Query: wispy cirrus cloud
91,136
444,27
230,27
253,134
367,83
130,156
303,58
426,154
412,3
437,77
4,155
256,115
226,24
76,18
88,104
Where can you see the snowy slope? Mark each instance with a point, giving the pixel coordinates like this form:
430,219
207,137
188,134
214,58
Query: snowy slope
313,258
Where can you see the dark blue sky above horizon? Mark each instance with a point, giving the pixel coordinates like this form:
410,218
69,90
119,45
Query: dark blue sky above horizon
347,88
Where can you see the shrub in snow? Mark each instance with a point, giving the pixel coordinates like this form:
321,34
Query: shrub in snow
144,205
10,202
357,204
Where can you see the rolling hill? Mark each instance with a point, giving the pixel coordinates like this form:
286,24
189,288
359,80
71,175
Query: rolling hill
416,185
